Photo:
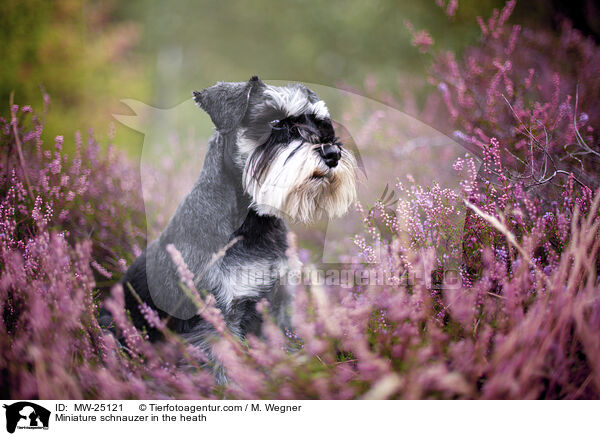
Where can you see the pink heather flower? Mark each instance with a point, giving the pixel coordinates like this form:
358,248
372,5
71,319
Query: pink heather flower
122,265
186,276
150,316
458,165
59,142
101,269
450,9
422,40
482,26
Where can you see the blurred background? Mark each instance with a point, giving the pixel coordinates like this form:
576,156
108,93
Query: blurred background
88,55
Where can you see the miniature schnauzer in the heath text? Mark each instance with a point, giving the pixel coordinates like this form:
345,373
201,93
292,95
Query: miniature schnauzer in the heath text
273,157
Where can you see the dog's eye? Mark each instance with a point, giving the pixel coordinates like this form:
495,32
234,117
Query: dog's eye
276,125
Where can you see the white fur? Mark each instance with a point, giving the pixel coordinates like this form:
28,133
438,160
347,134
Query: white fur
245,147
294,102
320,110
290,190
248,280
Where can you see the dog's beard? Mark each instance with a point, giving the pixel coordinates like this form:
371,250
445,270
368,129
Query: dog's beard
295,183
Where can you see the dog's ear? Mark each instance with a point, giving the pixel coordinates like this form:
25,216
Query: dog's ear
226,103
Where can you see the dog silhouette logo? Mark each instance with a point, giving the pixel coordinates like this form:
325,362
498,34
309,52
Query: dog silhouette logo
26,415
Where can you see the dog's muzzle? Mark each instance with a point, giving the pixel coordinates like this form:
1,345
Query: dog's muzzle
331,154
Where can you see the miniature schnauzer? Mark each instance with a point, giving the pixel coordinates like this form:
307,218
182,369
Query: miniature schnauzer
274,156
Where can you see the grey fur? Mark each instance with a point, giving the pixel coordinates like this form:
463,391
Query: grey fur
226,103
218,209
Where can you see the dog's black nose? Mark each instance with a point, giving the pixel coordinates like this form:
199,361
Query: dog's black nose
331,154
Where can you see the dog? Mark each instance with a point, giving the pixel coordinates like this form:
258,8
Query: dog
274,157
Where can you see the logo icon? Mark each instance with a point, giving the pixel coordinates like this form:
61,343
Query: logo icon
26,415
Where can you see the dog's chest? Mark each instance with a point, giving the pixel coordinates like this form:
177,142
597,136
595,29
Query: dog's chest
250,278
254,265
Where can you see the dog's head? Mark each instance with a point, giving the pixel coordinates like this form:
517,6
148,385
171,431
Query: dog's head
292,164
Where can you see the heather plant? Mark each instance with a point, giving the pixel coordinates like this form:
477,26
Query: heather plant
65,224
519,332
517,318
524,103
93,195
535,92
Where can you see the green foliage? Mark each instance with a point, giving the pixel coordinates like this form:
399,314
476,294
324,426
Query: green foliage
77,51
88,55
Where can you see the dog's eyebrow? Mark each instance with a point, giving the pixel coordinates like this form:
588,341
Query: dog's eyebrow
308,128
